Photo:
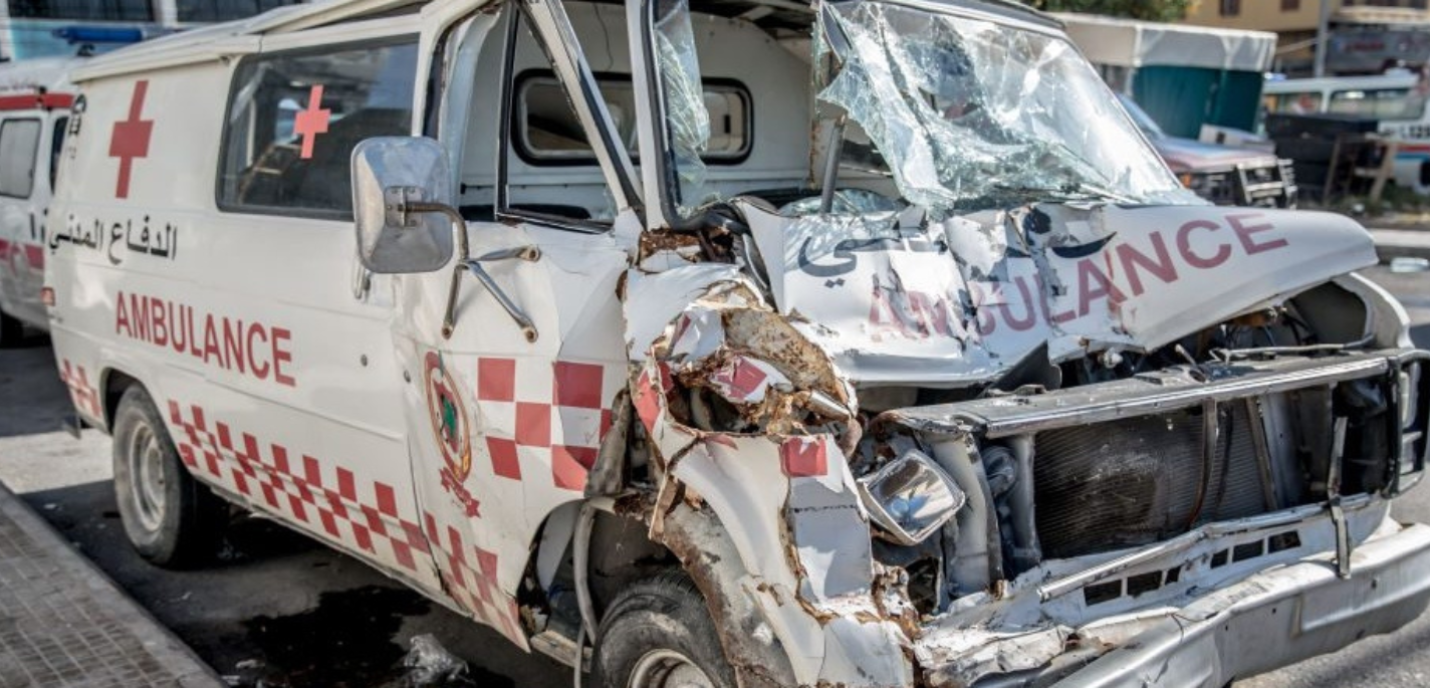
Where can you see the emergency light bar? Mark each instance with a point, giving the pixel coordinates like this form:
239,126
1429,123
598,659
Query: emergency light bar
99,34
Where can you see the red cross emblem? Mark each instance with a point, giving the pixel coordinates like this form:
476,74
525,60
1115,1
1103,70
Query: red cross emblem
312,121
130,139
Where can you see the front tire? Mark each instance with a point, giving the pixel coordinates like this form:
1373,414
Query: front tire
658,634
169,517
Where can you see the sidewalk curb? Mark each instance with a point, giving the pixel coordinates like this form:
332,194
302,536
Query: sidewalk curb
1401,243
109,602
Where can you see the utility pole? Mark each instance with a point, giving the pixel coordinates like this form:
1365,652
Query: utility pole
1323,37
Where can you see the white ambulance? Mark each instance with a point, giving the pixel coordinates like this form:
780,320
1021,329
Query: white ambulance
746,343
1399,100
35,100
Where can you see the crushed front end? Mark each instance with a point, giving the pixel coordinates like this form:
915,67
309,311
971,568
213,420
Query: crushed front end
1188,526
999,402
1189,515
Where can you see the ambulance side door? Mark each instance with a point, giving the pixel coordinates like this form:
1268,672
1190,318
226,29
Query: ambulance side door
308,426
507,419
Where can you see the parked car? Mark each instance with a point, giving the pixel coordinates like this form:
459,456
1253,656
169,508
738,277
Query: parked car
1396,101
1224,175
863,344
34,111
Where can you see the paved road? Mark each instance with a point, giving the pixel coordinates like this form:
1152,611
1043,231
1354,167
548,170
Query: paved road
282,610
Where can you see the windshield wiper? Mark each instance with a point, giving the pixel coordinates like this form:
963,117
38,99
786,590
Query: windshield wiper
1103,192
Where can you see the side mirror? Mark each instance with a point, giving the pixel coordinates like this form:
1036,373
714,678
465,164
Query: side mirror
402,204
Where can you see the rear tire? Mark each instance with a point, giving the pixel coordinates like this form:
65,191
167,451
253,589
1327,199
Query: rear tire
657,633
12,331
171,519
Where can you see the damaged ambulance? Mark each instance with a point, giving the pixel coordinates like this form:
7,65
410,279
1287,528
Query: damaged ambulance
735,342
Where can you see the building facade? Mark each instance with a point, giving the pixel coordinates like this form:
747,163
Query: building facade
1366,35
54,28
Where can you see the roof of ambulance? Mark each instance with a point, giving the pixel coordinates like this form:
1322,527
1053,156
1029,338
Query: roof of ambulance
237,37
218,40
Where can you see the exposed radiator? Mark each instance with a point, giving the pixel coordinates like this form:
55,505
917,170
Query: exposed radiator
1136,481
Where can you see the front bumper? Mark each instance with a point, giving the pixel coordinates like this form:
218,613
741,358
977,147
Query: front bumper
1268,620
1269,185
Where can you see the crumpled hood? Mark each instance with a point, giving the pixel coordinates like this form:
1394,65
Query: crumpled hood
899,301
1188,155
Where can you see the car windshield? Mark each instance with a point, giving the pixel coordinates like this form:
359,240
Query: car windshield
965,112
943,111
1140,117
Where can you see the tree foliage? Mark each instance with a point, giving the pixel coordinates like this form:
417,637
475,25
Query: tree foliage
1151,10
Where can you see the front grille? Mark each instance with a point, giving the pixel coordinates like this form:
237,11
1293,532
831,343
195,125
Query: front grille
1136,481
1261,175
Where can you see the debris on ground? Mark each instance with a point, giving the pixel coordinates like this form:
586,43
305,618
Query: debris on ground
428,663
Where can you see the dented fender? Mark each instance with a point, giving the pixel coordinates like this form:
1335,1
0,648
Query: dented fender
779,489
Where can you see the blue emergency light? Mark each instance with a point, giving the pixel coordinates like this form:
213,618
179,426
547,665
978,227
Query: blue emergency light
99,34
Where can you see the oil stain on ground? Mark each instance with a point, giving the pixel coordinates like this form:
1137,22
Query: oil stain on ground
349,640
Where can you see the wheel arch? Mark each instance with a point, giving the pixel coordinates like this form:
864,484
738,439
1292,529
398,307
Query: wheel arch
696,545
113,382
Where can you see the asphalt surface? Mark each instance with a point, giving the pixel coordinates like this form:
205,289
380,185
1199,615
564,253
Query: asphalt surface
279,610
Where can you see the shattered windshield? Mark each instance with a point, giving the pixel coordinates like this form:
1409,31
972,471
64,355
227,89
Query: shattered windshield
965,113
688,118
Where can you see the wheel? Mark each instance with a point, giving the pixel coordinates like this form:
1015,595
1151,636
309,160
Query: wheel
12,331
171,519
658,634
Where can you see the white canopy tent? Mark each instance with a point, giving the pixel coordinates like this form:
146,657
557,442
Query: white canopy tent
1133,44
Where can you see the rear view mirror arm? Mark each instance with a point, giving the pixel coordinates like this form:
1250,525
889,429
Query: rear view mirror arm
474,266
402,204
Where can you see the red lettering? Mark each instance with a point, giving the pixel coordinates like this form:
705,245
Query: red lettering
1184,246
121,317
233,345
1134,261
215,339
1087,273
260,373
1030,317
195,346
178,333
1244,232
161,328
281,356
934,316
139,308
212,353
883,314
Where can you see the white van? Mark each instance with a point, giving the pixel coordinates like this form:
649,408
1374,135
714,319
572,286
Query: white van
1398,100
35,100
751,343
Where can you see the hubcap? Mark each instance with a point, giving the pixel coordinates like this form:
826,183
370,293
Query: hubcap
146,477
668,669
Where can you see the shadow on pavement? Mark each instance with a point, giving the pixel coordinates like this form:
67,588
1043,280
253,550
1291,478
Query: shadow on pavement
34,400
276,608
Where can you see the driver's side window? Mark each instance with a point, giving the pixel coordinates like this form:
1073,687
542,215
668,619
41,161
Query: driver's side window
294,117
547,168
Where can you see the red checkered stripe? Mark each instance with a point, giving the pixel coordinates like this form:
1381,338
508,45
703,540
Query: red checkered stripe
86,398
331,507
550,415
472,582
